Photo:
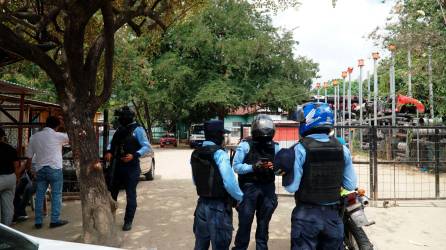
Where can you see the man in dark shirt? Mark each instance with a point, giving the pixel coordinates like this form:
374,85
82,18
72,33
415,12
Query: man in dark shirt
9,164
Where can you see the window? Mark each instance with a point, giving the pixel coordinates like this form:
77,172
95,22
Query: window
10,240
235,132
237,124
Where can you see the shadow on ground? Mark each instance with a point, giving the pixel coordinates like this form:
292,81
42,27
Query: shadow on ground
164,220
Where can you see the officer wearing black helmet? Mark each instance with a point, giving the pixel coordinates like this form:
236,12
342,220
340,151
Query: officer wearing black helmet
253,164
128,144
314,170
217,189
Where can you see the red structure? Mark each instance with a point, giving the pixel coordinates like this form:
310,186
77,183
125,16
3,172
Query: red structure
404,101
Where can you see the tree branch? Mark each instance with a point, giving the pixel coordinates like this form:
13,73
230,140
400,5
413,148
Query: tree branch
79,13
109,32
142,10
156,18
12,43
138,115
93,59
136,27
51,17
183,13
155,4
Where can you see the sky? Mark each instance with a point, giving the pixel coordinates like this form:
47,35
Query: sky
335,37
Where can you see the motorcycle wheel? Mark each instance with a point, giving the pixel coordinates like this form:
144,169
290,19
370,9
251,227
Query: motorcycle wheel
355,238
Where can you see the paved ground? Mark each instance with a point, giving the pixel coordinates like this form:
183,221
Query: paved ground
165,215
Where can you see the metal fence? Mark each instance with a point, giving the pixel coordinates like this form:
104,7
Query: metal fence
399,162
391,163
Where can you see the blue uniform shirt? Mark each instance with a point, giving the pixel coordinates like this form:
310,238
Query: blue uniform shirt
140,134
224,166
240,154
349,181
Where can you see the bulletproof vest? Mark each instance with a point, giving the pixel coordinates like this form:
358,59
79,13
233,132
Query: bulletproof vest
207,177
124,142
257,152
323,172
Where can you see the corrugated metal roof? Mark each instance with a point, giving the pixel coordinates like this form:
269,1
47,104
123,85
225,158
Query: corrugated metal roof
16,100
7,87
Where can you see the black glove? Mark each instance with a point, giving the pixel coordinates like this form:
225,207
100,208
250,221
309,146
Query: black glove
136,155
232,202
258,167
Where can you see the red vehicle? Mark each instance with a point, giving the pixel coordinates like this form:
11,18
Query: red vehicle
168,139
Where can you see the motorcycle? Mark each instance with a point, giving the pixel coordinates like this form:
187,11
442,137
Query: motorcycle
354,218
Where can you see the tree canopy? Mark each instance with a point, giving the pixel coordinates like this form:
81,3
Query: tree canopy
416,26
228,55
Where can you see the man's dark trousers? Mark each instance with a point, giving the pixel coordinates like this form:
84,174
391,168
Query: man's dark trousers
259,199
126,177
316,227
212,224
23,194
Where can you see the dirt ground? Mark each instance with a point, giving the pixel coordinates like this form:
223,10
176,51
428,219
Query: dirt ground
165,215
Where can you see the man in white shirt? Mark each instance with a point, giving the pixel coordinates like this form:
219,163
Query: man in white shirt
45,150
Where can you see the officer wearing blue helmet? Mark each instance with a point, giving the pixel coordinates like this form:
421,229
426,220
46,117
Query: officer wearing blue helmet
253,164
217,189
314,170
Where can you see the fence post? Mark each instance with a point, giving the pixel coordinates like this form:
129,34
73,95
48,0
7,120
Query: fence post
437,164
375,162
371,160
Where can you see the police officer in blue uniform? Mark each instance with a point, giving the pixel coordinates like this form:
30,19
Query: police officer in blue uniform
128,144
253,163
217,189
314,170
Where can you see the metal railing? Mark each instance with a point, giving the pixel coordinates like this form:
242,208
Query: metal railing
391,163
399,162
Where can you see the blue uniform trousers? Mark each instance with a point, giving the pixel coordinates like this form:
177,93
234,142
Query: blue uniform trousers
316,227
261,200
126,177
212,224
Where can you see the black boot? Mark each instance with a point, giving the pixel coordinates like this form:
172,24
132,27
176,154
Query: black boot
127,226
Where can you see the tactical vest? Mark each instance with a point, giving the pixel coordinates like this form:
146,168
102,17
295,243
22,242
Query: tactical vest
257,152
323,172
124,142
207,177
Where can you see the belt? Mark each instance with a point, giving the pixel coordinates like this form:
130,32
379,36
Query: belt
319,206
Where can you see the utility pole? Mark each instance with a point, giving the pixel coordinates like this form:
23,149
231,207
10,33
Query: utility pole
339,99
392,48
431,89
344,75
335,102
369,97
409,73
360,65
375,56
325,91
350,70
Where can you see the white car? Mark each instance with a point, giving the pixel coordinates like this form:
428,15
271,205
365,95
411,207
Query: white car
147,164
11,239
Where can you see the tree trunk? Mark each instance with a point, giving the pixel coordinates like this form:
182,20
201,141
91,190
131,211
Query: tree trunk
221,113
149,120
138,115
97,217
